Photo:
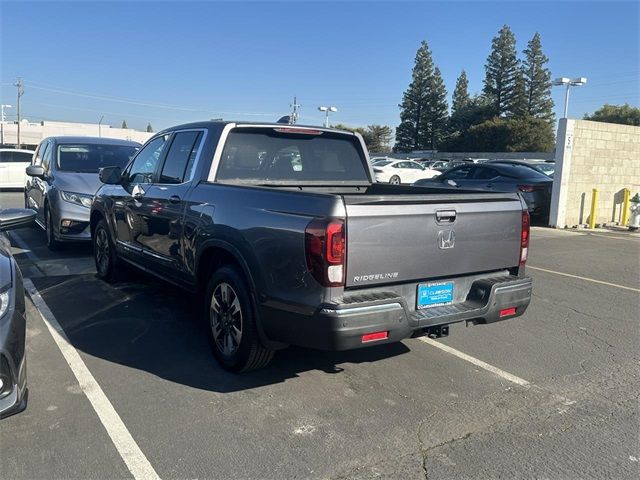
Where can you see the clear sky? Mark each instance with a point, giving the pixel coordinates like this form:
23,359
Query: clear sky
173,62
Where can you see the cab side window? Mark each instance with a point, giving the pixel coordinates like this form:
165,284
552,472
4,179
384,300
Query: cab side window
180,157
146,162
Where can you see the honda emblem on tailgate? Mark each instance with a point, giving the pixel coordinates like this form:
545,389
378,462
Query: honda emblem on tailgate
446,239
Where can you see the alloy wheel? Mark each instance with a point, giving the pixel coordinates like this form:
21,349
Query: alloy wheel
225,316
102,250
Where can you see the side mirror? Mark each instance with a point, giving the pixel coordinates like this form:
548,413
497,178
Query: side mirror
452,183
35,171
110,175
11,218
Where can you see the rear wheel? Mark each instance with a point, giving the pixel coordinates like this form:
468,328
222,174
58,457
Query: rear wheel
395,180
52,243
231,323
104,253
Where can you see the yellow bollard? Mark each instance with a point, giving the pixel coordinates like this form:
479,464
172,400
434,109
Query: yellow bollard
594,204
625,207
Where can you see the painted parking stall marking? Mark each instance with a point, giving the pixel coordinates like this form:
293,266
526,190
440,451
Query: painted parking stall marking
624,287
125,444
479,363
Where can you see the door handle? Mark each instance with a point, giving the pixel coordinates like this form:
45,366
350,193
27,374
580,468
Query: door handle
137,192
174,199
489,185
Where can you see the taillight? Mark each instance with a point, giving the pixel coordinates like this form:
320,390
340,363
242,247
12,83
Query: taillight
524,238
530,188
325,242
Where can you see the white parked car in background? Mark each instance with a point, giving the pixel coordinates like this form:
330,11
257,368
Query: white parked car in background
13,163
401,171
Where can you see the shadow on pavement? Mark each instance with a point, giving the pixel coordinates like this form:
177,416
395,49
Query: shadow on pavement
148,325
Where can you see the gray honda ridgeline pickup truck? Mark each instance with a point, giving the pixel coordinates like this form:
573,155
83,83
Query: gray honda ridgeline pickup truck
291,242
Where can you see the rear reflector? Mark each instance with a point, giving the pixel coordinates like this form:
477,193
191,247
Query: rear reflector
507,312
370,337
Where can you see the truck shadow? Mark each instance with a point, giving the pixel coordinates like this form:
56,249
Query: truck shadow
148,325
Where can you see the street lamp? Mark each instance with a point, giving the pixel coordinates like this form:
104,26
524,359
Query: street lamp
326,110
568,82
2,107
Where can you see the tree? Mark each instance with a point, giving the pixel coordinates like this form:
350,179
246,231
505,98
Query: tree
377,138
523,134
124,124
476,111
423,111
501,73
461,96
437,118
537,81
520,104
149,128
622,114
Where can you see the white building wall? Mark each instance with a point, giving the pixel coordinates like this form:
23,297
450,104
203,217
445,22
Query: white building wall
33,133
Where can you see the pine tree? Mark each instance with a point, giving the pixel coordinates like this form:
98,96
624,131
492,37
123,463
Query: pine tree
461,96
149,128
460,103
502,69
437,119
520,104
537,79
124,124
423,114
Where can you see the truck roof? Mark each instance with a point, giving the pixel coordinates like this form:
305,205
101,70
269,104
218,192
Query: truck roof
222,123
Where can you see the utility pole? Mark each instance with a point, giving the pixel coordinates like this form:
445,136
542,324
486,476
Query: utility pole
100,126
19,85
294,114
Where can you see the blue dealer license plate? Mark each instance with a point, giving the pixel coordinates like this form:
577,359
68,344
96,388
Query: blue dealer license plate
435,294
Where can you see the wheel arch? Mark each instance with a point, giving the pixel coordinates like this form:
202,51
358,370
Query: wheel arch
217,253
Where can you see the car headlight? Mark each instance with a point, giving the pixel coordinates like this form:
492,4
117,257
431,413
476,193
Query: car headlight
4,302
77,198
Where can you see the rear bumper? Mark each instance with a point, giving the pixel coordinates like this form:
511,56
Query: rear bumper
341,326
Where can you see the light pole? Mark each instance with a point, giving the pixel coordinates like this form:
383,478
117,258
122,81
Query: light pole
326,111
2,107
568,83
100,126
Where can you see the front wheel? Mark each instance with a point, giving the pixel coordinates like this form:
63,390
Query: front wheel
395,180
52,243
231,323
104,253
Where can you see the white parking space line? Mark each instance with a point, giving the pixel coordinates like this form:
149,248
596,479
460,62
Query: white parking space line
585,278
127,447
478,363
23,245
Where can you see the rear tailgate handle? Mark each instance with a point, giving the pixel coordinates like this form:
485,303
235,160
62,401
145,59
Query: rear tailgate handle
445,216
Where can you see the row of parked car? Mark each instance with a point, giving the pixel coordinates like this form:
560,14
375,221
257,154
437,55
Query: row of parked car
533,179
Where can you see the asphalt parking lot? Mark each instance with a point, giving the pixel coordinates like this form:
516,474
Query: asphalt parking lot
553,394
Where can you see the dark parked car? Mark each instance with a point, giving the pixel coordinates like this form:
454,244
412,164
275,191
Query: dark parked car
62,179
13,364
497,176
308,251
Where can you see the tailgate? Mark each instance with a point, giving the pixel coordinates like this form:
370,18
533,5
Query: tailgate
405,238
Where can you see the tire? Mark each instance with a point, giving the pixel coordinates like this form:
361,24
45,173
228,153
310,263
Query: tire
395,180
52,243
104,253
230,321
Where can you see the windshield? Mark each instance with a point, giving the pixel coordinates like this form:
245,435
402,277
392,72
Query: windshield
266,156
89,158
